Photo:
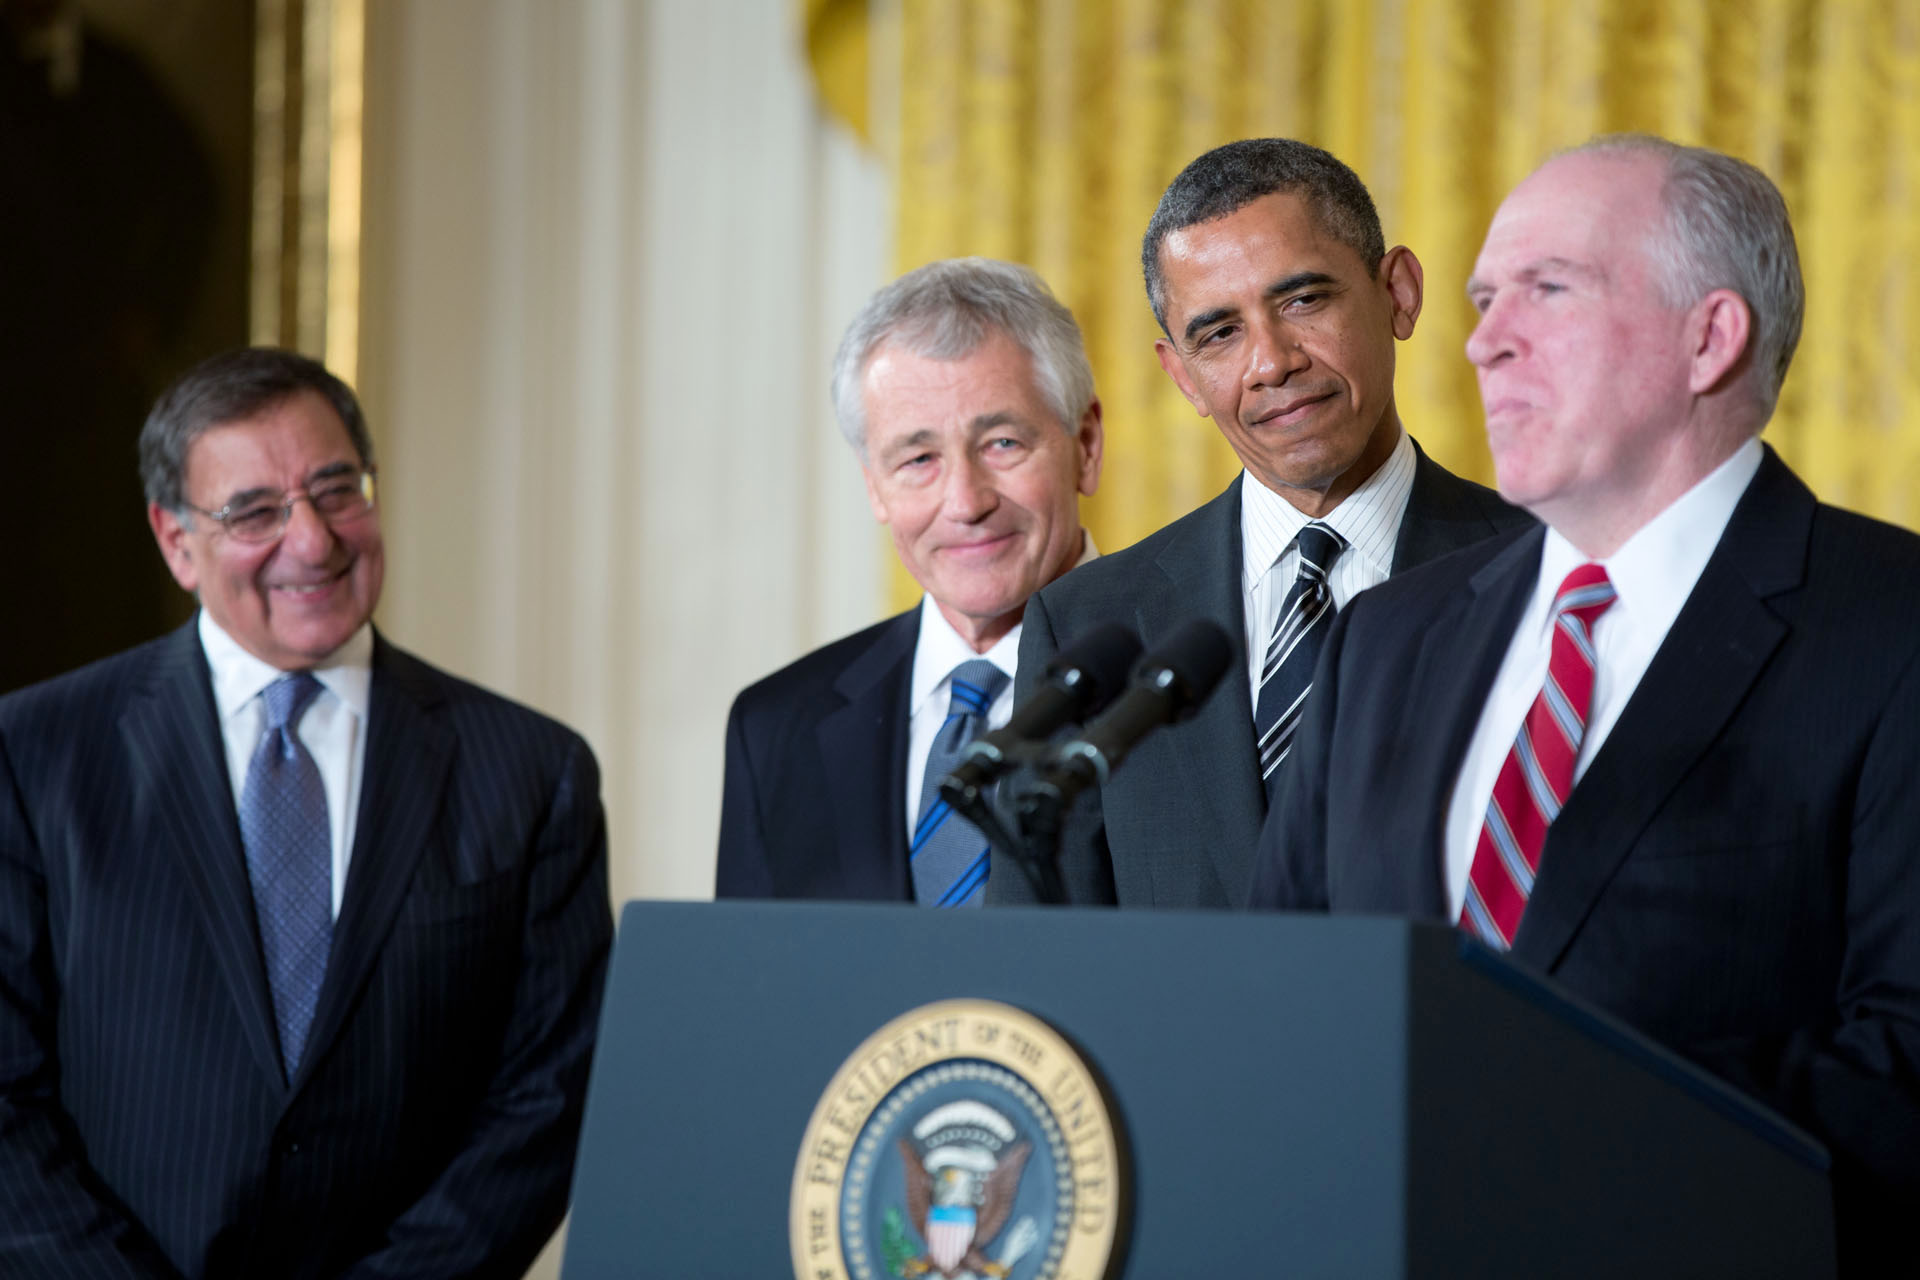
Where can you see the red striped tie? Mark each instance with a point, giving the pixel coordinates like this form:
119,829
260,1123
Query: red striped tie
1538,772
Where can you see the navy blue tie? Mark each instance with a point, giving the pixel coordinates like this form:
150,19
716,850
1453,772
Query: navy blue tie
283,824
1287,674
949,855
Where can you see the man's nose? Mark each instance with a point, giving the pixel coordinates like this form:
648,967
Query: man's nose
969,491
1274,354
307,534
1493,338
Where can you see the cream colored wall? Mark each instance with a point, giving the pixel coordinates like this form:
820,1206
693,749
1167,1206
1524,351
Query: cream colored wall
610,246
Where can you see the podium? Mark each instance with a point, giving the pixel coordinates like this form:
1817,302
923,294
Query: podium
1298,1096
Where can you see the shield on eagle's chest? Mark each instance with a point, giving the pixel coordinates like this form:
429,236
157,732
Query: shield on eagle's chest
949,1232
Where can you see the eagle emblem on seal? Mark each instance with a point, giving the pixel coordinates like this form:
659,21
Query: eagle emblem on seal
963,1167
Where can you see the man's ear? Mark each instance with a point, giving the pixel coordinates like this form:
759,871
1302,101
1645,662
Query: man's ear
873,493
1719,331
1406,282
171,534
1091,441
1177,370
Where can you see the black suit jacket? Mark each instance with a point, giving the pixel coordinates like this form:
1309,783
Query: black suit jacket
814,804
1738,871
1176,826
146,1128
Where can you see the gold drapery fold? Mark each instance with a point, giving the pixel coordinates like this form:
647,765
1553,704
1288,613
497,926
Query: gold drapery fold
1044,131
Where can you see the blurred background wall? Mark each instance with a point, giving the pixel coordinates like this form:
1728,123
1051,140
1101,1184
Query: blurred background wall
1045,130
609,247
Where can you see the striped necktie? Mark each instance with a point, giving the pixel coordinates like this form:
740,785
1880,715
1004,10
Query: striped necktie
1538,772
1298,632
289,847
948,854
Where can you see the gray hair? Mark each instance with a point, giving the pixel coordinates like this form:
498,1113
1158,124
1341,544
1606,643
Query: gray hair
232,387
944,311
1227,179
1726,228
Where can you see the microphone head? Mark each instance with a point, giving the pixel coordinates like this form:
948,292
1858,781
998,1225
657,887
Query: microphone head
1095,666
1188,664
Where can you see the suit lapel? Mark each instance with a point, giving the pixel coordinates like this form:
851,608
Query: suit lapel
1715,650
183,793
863,745
1202,568
1460,653
408,752
1444,514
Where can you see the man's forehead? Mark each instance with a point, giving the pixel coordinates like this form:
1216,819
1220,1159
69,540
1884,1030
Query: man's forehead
1268,240
1584,196
256,447
904,391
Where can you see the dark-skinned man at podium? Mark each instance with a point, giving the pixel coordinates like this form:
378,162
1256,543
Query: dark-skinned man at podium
965,392
1663,749
1279,305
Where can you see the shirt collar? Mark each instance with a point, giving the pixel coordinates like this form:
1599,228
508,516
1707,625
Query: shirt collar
238,676
1655,570
940,650
1369,519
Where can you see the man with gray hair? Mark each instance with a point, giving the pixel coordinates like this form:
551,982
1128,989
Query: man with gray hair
1665,748
965,392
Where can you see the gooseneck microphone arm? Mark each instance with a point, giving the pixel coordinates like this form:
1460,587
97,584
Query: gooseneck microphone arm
1081,679
1168,686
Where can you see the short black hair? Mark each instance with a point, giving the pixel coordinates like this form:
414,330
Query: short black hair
232,387
1231,177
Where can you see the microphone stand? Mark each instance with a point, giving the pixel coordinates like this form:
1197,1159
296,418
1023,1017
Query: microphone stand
1036,847
1167,686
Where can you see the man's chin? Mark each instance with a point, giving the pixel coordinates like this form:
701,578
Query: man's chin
316,643
993,614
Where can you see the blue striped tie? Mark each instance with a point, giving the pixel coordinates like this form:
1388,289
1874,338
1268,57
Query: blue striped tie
949,855
283,824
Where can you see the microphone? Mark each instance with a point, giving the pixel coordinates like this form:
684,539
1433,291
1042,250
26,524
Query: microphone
1168,686
1082,678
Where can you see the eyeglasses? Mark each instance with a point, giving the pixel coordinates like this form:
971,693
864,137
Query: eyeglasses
338,500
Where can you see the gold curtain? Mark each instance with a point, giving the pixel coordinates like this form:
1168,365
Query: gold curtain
1044,131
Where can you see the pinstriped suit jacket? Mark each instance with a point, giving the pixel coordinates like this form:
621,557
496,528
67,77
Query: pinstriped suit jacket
145,1126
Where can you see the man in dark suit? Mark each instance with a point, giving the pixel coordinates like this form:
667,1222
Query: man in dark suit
964,389
301,940
1664,749
1280,305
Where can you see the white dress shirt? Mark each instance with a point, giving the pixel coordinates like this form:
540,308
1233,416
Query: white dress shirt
1652,573
333,729
1270,562
930,688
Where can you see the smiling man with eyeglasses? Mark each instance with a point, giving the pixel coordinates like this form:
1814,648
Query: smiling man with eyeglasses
301,939
268,516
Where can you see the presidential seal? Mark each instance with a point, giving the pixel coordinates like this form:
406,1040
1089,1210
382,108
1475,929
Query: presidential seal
965,1139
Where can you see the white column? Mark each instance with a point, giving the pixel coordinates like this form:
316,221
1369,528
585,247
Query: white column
610,248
